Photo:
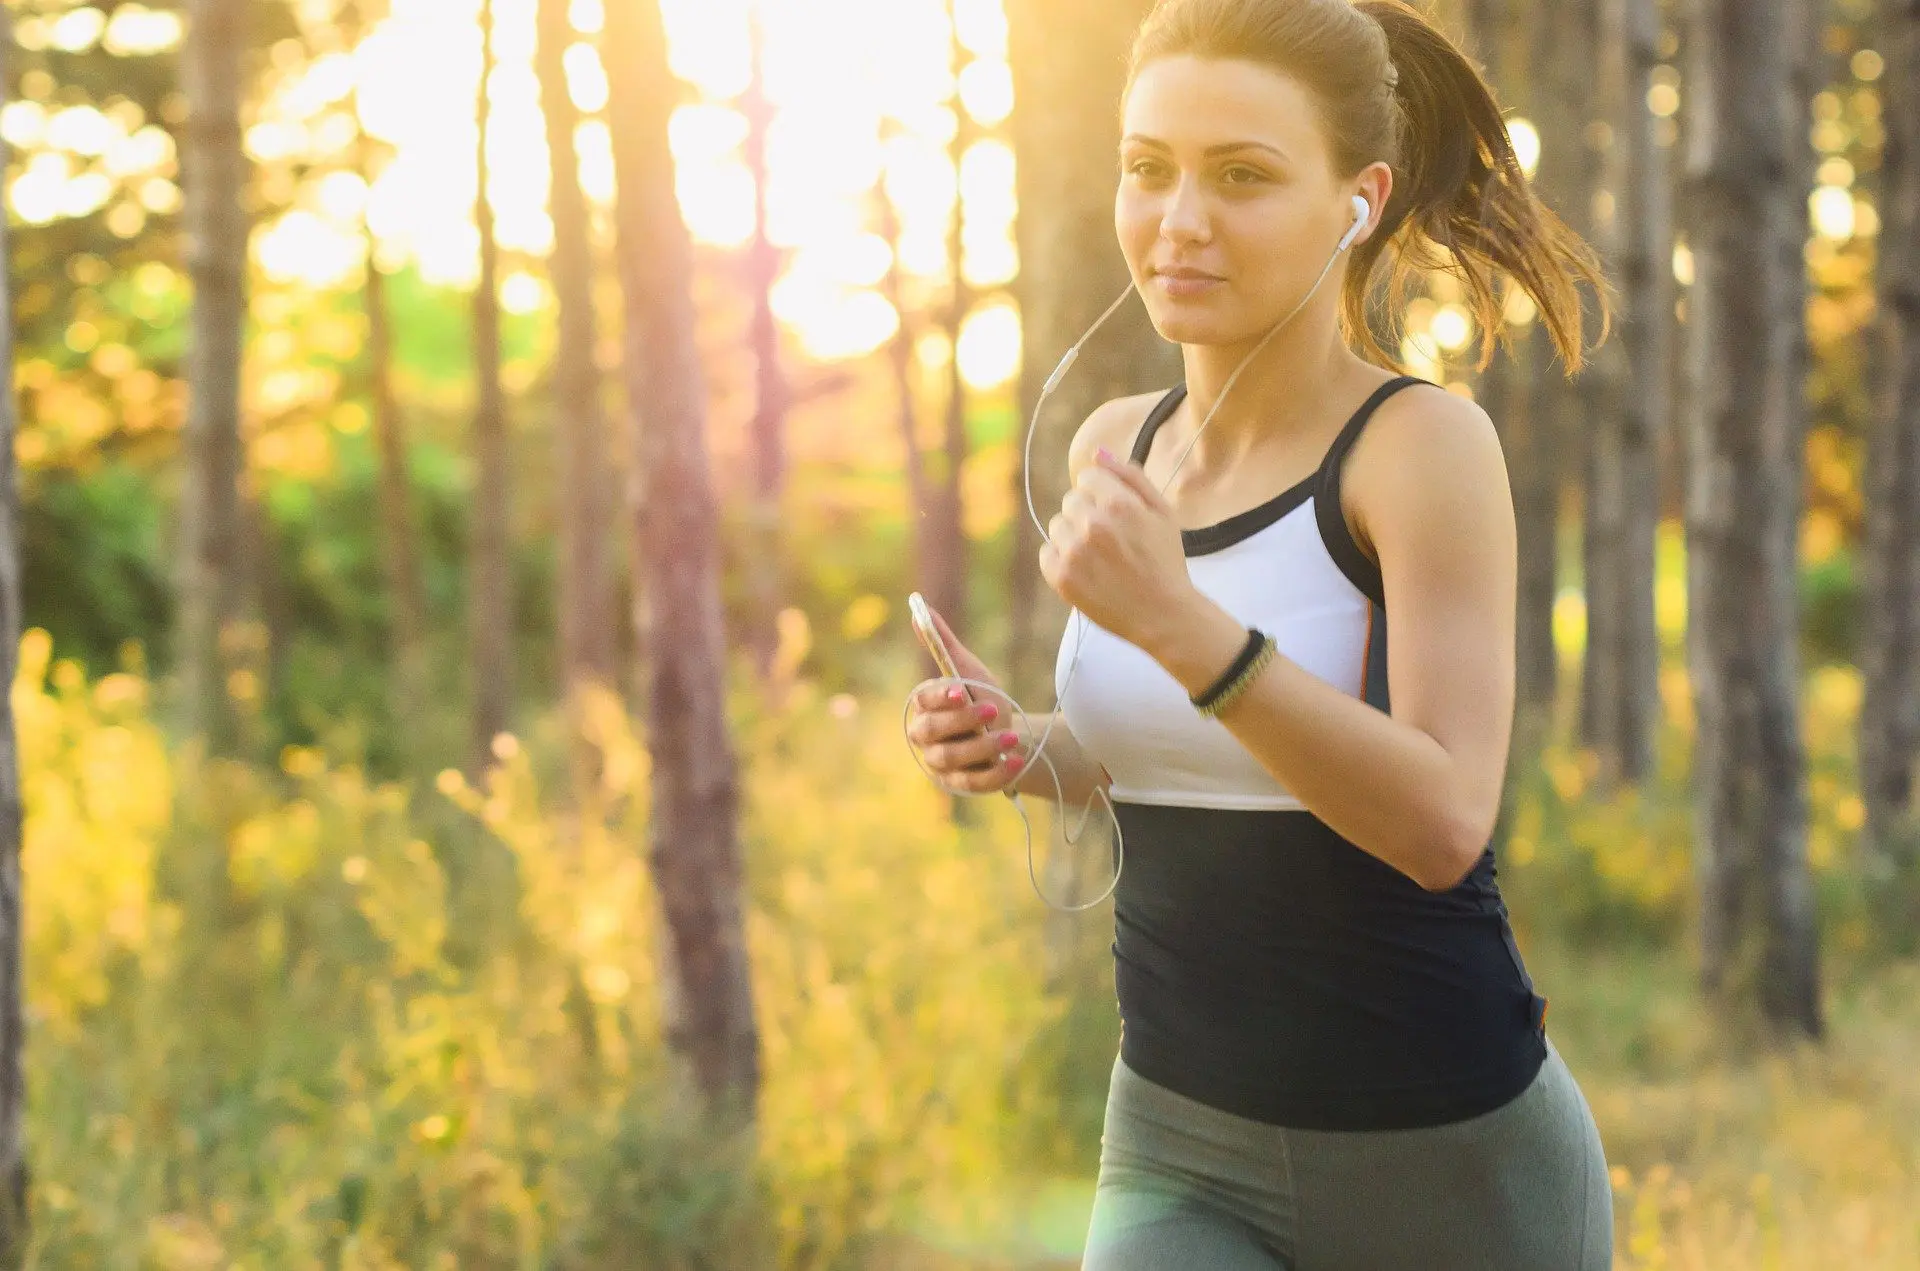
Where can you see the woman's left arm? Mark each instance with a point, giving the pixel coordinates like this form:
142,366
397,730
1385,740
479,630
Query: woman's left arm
1419,788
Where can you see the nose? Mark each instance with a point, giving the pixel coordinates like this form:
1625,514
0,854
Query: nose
1183,217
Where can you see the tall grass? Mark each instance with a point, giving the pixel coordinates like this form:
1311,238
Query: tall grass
291,1017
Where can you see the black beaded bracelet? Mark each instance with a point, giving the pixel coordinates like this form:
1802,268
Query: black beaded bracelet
1256,641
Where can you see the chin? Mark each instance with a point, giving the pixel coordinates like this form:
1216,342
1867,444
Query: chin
1184,324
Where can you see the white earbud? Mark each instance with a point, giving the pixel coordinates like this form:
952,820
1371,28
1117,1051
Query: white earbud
1362,213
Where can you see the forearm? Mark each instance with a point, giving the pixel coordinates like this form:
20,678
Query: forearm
1080,776
1383,785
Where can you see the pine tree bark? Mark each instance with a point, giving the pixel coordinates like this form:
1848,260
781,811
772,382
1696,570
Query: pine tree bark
490,596
696,856
210,549
1621,688
583,501
1069,68
1745,189
1521,404
13,1085
1890,650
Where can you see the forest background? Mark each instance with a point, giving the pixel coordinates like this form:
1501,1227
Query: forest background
466,461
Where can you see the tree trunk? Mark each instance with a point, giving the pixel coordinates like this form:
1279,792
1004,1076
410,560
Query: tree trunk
406,592
947,534
13,1087
1069,68
696,855
1890,650
770,387
490,564
1521,407
213,173
580,430
1746,438
900,357
1621,688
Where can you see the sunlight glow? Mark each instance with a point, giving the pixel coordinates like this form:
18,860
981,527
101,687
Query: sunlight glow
1526,144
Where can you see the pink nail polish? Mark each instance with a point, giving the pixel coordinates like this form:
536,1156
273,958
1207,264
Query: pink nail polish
1015,763
1105,454
989,712
956,695
1009,740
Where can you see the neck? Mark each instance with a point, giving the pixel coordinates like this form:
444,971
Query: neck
1282,389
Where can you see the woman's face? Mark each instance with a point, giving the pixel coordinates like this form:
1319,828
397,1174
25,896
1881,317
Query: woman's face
1228,205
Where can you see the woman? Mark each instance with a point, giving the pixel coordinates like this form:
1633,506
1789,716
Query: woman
1297,671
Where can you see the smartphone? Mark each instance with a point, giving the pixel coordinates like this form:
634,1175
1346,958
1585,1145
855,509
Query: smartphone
930,636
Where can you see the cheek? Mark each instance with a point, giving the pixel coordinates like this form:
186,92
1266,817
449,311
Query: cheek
1136,223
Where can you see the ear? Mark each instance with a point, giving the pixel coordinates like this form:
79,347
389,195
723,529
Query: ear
1376,187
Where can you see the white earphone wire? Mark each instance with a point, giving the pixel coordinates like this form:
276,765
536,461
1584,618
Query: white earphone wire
1362,213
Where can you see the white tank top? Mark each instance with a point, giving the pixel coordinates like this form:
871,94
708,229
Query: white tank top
1289,567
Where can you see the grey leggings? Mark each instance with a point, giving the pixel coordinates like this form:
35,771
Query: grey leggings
1185,1185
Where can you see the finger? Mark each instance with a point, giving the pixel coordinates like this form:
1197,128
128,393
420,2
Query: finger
940,694
972,752
1133,476
941,726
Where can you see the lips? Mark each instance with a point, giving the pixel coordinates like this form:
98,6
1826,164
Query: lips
1187,274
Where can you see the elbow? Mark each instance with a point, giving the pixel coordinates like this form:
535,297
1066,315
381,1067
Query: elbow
1451,855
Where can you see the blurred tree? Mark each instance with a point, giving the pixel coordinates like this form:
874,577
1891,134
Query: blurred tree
400,560
770,398
1508,35
584,499
1069,61
900,359
13,1087
1746,435
944,559
1890,652
1621,675
210,560
490,600
696,857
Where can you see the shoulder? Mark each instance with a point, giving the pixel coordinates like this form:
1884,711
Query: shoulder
1113,424
1428,456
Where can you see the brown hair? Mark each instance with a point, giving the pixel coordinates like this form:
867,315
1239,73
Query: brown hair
1393,87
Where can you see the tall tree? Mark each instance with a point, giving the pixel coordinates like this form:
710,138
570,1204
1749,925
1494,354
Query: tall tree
1069,68
770,398
583,502
13,1084
900,359
210,549
1518,386
945,560
1890,651
1746,438
1621,684
489,586
399,555
696,856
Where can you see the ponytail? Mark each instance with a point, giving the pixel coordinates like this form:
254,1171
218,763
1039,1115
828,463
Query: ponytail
1461,201
1393,87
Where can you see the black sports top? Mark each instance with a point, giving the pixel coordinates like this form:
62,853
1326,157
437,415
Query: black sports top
1263,964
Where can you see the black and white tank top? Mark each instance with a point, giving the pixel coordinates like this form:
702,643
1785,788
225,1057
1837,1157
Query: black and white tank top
1263,964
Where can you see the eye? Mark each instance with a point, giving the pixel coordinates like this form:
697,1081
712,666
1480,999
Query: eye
1146,169
1240,174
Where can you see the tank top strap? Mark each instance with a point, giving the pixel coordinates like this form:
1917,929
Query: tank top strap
1360,570
1161,412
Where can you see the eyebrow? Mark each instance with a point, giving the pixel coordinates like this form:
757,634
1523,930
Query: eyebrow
1211,152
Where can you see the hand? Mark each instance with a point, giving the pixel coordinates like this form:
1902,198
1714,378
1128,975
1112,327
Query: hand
1115,552
954,733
